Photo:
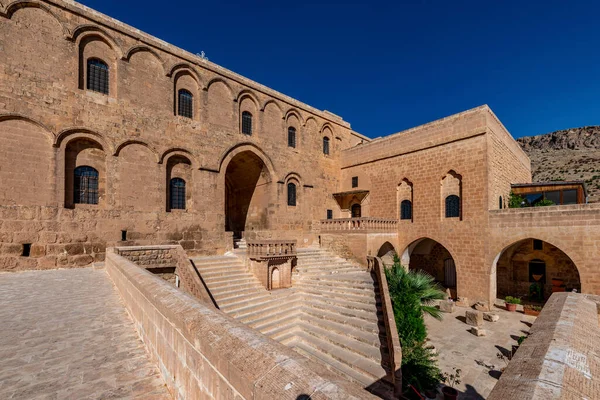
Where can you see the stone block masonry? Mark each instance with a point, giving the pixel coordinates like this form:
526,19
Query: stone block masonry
204,353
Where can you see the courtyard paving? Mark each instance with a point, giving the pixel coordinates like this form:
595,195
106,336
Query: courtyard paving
65,334
476,356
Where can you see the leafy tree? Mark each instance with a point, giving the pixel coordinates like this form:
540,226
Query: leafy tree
516,201
544,203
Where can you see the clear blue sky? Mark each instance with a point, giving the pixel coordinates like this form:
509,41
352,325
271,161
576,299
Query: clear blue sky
385,67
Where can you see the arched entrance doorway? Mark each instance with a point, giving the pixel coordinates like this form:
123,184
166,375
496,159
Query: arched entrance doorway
533,269
387,252
432,257
247,184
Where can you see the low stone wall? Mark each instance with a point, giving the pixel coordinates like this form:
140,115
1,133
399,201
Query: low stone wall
67,238
203,353
559,359
153,257
393,340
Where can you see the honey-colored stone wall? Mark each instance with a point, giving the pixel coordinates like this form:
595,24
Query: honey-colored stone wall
50,124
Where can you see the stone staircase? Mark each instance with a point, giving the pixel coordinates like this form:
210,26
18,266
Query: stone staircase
331,315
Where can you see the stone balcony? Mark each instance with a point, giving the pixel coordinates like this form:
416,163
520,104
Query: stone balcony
359,225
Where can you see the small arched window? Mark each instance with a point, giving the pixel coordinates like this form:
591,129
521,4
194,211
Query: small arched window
500,203
85,185
291,194
291,137
177,194
356,210
406,209
185,101
325,145
246,123
97,75
452,206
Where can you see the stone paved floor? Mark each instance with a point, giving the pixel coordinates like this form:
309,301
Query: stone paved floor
65,334
475,356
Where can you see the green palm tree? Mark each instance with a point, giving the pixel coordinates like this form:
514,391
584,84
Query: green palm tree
419,284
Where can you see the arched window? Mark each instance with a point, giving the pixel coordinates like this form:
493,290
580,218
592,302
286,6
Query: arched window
291,194
246,123
185,104
452,206
500,203
325,145
356,210
177,194
85,185
97,75
291,137
406,209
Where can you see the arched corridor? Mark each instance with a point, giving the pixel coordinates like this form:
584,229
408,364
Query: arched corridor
533,269
430,256
247,183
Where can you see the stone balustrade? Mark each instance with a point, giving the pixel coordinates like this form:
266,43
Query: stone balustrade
371,224
271,248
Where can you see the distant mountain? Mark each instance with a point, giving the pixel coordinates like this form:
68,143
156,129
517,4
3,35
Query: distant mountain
567,155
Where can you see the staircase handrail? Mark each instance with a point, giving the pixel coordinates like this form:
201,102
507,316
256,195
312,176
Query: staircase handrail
393,339
359,224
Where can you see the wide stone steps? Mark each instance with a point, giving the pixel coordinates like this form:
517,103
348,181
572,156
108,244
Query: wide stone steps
274,315
371,326
234,280
331,287
232,301
368,370
372,315
367,337
331,315
269,327
257,311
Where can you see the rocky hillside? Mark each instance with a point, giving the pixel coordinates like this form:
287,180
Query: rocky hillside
568,155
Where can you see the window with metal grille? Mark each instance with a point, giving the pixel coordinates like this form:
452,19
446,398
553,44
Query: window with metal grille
291,194
355,181
85,185
452,206
97,75
406,209
177,194
538,244
246,123
356,211
325,145
185,104
329,214
291,137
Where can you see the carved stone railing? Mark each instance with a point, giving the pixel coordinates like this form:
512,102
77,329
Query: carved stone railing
376,266
271,248
271,261
364,224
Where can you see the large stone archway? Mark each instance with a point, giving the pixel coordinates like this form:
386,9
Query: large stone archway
247,193
432,257
532,261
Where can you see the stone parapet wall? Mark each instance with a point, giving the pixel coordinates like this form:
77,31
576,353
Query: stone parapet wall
377,266
62,238
559,359
202,353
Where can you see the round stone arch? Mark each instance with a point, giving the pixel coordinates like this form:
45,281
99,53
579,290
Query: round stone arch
387,252
249,186
512,245
435,257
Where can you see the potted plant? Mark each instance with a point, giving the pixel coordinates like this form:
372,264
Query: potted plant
511,303
532,310
451,379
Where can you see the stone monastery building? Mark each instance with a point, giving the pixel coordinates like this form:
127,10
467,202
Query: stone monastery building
112,137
